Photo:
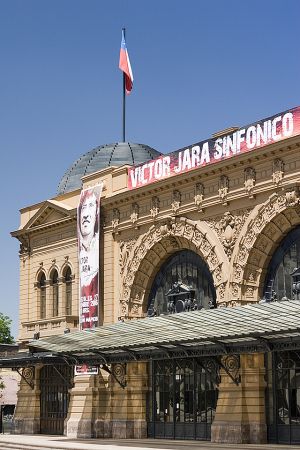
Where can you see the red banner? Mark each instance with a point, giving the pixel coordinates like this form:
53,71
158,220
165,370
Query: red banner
88,218
267,131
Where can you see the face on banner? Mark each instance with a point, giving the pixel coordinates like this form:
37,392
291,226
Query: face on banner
88,251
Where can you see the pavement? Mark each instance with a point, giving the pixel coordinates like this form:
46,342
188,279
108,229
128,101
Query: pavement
46,442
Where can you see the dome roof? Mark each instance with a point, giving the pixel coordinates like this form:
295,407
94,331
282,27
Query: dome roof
107,155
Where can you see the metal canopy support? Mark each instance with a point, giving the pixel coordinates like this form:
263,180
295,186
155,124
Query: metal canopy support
130,352
231,365
26,378
267,344
165,350
116,376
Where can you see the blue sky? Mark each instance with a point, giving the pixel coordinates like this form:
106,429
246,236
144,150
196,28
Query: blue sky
198,66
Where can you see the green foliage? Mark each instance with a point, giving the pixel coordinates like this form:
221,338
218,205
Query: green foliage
5,336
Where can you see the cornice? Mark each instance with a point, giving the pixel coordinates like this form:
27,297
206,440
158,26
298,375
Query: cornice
46,226
203,174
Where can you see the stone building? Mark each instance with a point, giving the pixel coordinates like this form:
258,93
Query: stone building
198,335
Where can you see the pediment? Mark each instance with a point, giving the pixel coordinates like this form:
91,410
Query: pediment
49,213
179,289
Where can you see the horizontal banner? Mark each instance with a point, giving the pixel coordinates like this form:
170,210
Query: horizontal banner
246,139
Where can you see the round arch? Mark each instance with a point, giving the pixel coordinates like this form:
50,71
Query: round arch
259,238
152,249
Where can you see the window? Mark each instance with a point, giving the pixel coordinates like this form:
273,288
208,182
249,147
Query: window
184,283
68,291
42,294
279,280
55,299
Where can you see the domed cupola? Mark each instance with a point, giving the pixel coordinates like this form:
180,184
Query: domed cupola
101,157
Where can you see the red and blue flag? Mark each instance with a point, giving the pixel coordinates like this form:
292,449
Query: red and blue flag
125,66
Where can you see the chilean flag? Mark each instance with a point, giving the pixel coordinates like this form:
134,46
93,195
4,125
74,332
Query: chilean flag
124,65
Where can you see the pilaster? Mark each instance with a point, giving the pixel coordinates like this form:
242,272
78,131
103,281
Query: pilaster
240,414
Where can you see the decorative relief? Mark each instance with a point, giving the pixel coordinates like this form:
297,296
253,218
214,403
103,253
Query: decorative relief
250,178
134,213
292,197
125,249
176,201
223,189
199,196
221,291
278,171
273,218
228,227
235,290
164,234
249,292
115,219
154,210
237,273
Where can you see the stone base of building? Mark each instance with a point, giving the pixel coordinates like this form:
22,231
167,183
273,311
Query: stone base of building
239,433
25,426
79,428
121,429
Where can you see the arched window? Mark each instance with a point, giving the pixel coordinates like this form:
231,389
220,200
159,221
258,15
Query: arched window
184,283
68,291
282,280
55,297
42,295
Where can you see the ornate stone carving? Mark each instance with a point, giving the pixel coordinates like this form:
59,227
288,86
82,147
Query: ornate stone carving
223,189
134,213
250,178
125,249
199,196
278,171
273,218
24,249
228,227
158,240
176,201
249,292
221,291
235,290
237,274
115,219
154,210
292,197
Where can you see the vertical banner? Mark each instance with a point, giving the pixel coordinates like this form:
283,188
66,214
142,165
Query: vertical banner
88,224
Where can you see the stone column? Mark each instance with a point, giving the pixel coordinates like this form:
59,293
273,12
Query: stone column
240,414
27,414
83,406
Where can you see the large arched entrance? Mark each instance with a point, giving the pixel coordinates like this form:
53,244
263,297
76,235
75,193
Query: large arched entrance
184,394
183,283
283,394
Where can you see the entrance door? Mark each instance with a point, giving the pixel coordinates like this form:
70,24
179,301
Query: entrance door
283,398
184,398
55,383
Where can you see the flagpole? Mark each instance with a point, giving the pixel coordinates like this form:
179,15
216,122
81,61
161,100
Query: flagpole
124,96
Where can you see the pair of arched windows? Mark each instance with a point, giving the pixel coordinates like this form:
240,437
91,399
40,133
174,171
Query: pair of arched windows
54,293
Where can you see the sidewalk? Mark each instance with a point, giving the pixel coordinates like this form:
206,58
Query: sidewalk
41,442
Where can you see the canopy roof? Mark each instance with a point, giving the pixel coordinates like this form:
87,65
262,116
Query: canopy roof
250,328
219,330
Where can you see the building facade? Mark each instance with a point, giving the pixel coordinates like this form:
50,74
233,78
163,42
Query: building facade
210,236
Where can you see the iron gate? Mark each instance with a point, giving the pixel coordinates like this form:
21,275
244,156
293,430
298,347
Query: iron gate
183,399
283,397
55,382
